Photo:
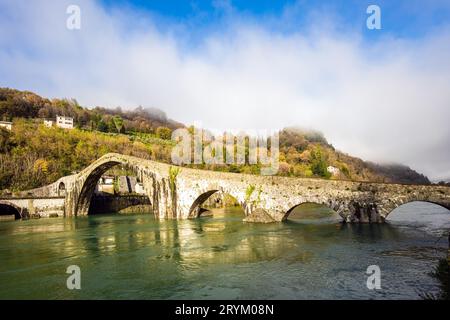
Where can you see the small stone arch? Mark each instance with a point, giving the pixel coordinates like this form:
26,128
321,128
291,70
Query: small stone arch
331,205
387,210
340,206
196,210
9,208
61,189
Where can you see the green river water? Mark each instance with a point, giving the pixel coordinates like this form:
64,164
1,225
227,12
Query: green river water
220,257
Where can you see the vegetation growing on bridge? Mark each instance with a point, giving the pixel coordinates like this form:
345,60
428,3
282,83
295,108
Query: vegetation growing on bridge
249,192
173,173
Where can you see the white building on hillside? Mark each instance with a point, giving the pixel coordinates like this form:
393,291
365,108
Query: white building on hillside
5,124
64,122
48,123
139,188
105,185
333,170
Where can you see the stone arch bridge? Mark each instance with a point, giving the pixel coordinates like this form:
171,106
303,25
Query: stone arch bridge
178,192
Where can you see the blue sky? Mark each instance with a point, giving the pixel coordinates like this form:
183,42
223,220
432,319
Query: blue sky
405,18
382,95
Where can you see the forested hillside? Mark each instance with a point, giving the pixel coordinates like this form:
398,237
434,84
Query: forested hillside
33,155
25,104
307,153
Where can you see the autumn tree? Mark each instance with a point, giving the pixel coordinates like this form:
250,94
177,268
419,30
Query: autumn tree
164,133
319,163
5,140
118,122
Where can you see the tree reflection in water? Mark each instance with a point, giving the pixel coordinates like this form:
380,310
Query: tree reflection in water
440,273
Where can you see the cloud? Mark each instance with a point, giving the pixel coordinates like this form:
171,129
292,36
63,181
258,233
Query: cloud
385,100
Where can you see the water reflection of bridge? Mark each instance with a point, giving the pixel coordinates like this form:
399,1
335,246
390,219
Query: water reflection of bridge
193,244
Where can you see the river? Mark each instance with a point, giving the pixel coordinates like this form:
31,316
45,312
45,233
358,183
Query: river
220,257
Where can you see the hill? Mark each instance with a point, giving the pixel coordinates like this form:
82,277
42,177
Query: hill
32,155
25,104
399,173
307,153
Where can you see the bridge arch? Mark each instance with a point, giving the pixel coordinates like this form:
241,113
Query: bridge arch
90,177
195,210
8,208
88,188
336,208
387,210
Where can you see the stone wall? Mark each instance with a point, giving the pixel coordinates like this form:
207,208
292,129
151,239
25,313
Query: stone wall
38,207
